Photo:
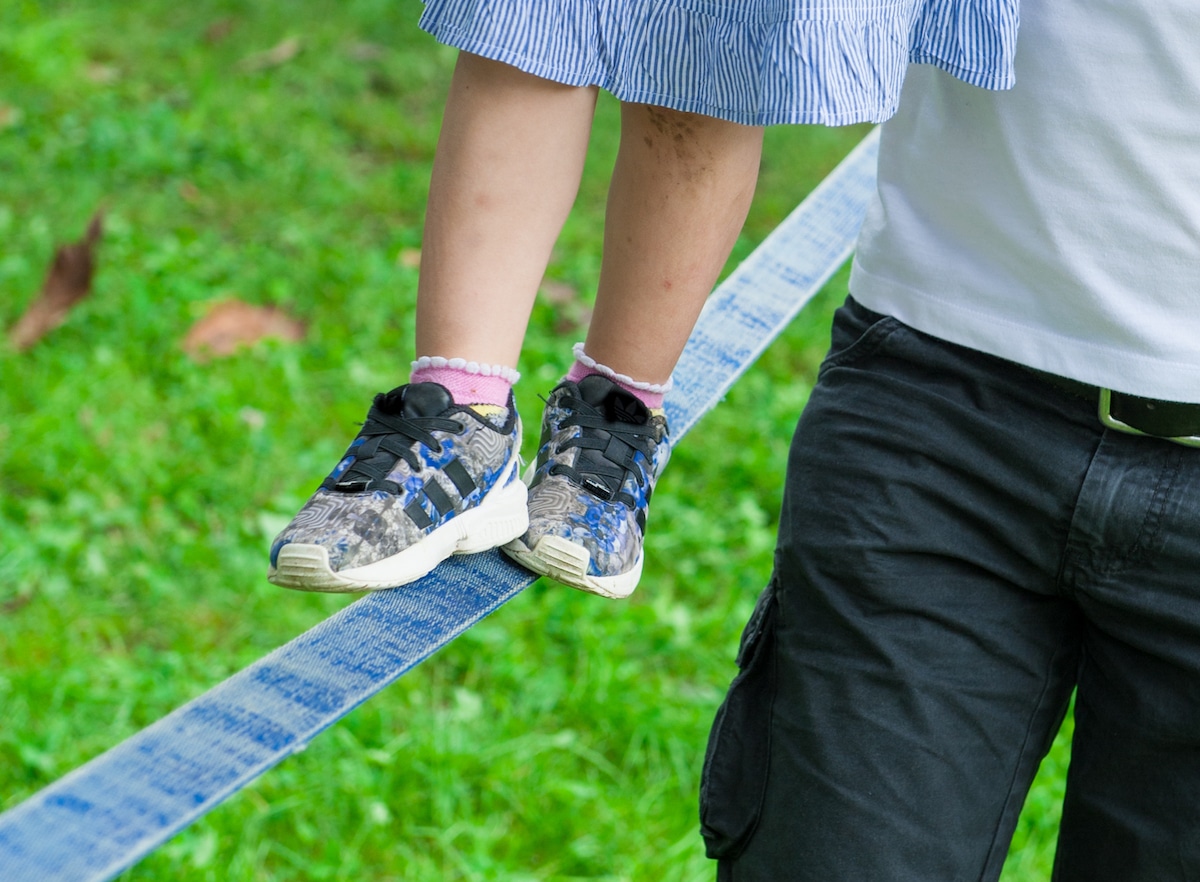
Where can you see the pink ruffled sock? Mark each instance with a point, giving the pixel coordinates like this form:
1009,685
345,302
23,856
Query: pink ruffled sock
650,394
468,382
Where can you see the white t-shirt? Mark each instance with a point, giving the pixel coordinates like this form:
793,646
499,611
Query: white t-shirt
1056,224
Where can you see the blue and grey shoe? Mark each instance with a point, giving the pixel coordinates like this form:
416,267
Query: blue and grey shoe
424,479
601,452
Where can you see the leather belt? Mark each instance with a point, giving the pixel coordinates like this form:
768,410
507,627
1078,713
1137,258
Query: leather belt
1169,420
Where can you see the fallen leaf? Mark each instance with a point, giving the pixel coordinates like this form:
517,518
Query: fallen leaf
281,53
190,192
382,85
12,604
572,321
558,293
10,116
571,312
68,281
365,51
102,74
253,418
409,258
219,30
230,324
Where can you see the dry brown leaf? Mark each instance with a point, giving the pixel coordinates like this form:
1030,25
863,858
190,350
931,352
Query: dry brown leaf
10,116
558,293
12,604
68,281
365,51
253,418
572,321
219,30
230,324
571,312
281,53
102,74
381,84
190,193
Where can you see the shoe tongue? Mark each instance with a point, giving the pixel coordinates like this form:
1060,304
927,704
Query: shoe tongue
416,400
618,405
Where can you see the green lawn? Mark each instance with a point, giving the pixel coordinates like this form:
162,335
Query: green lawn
561,738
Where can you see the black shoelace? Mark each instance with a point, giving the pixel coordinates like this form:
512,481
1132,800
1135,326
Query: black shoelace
607,452
388,438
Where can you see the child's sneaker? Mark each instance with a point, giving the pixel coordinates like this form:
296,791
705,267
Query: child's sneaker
424,479
601,452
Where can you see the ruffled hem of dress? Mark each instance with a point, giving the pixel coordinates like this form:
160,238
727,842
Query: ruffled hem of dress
846,115
754,72
748,65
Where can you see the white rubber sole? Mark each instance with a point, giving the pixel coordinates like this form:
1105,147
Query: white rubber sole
501,517
567,563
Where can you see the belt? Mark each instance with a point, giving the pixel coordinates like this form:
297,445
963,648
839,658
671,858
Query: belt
1170,420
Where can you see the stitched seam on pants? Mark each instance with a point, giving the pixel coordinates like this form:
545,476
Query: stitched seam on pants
762,798
1074,553
1155,512
1038,707
866,345
1143,543
763,626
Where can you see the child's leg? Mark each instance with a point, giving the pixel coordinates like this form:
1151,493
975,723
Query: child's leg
678,198
505,176
433,472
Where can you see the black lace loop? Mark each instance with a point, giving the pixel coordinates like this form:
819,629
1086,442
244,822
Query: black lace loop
384,440
608,449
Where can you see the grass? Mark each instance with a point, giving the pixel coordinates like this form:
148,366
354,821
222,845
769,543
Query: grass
561,738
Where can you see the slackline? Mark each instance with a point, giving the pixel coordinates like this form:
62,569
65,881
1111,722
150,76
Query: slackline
103,817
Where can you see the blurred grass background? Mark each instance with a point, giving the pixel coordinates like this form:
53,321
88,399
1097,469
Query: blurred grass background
560,739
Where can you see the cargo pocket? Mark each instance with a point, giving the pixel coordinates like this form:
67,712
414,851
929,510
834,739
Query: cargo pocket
734,780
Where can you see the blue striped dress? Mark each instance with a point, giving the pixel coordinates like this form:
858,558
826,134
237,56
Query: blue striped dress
756,62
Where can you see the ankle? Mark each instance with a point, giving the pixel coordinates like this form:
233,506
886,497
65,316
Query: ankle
650,394
468,382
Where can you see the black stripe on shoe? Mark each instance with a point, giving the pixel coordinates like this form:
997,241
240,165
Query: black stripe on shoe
458,474
418,515
440,498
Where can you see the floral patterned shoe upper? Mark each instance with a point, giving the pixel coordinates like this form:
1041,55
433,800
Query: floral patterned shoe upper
601,452
424,479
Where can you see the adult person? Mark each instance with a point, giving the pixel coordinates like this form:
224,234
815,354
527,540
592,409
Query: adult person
993,495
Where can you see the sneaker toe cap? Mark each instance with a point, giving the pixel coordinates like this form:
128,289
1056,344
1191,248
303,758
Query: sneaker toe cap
606,530
353,530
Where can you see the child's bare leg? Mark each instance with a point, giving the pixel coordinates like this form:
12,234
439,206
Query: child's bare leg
506,173
678,199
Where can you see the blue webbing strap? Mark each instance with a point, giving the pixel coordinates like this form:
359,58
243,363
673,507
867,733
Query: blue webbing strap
106,815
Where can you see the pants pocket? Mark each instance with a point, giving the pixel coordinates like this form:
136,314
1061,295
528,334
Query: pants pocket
856,334
734,780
